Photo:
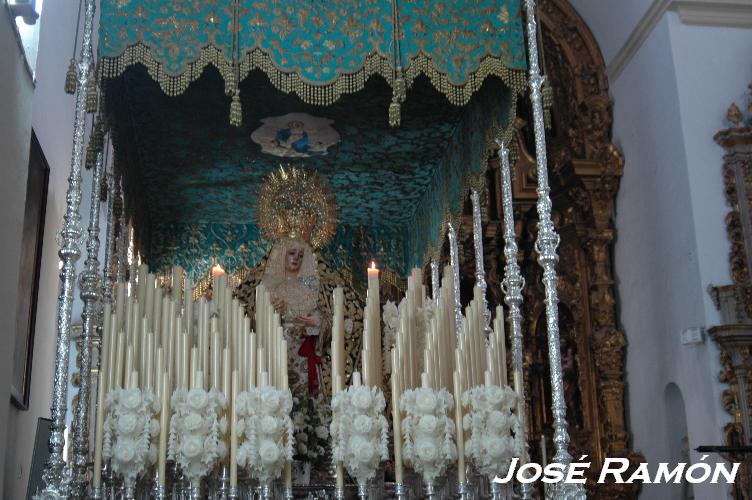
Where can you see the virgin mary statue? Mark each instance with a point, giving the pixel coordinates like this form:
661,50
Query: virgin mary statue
297,212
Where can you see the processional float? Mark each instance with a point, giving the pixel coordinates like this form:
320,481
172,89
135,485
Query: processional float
188,390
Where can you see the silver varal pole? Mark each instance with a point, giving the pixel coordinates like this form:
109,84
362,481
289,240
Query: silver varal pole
435,282
546,246
69,251
454,260
109,245
480,271
512,285
91,294
123,243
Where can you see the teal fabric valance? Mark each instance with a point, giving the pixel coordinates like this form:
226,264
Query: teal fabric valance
318,50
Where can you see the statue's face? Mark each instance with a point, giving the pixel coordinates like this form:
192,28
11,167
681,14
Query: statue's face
294,259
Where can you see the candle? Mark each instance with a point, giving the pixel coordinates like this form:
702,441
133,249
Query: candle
128,367
356,379
101,388
188,305
396,421
543,450
117,379
175,285
194,367
226,381
149,362
164,422
234,433
460,430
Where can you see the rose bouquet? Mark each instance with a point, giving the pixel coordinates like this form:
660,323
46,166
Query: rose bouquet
360,433
196,428
428,431
129,428
264,422
493,427
310,420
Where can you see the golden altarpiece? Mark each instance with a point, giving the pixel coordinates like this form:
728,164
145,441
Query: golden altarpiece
408,114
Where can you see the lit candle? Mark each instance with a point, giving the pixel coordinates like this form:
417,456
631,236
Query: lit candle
543,450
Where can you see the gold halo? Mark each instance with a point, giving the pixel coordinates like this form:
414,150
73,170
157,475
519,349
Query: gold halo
296,204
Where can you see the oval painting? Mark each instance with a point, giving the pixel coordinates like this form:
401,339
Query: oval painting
295,135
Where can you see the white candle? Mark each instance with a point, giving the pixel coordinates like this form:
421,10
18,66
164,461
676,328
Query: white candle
396,421
458,426
234,432
164,422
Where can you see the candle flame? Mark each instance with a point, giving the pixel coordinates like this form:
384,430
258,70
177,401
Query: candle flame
217,270
373,264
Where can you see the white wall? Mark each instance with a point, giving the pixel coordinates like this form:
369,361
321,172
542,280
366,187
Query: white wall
671,243
16,89
52,119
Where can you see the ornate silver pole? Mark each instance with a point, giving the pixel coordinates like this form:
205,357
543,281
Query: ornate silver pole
435,282
69,253
454,259
91,294
546,245
122,244
512,286
480,271
109,245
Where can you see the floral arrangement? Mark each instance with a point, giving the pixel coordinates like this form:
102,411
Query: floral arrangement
310,418
129,428
428,431
493,428
360,433
264,421
196,428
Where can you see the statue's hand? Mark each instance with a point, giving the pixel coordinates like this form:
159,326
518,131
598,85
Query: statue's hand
308,320
278,305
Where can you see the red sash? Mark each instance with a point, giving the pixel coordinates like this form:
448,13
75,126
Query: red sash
308,350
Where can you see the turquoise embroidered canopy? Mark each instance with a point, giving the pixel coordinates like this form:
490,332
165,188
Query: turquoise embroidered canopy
396,187
319,50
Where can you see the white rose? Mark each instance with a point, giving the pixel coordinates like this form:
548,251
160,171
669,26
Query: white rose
363,424
427,450
223,425
154,427
131,399
425,400
268,451
362,450
197,399
126,423
497,421
192,422
269,425
299,419
191,447
362,397
428,423
495,447
467,421
125,450
322,432
302,448
270,402
494,395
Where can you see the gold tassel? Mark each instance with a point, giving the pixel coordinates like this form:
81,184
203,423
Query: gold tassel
230,82
96,143
91,93
547,98
394,113
400,89
70,78
236,111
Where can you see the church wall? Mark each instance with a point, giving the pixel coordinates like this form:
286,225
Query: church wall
671,244
16,89
52,118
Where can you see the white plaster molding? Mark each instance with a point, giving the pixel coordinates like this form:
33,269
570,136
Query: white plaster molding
729,13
